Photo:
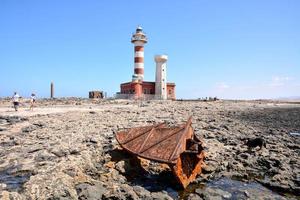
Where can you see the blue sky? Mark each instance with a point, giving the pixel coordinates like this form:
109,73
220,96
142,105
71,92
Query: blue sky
230,49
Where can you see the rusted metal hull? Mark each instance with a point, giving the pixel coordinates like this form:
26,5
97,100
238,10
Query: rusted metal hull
176,146
187,168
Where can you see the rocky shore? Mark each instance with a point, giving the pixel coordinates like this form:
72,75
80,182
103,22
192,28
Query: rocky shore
65,149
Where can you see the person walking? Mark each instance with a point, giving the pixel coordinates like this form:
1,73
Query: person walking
32,101
16,100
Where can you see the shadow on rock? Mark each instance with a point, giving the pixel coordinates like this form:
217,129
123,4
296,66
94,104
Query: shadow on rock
138,171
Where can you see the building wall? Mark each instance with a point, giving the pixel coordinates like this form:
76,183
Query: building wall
96,95
148,88
127,88
171,91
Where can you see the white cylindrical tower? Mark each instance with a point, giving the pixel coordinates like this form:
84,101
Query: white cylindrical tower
161,76
138,39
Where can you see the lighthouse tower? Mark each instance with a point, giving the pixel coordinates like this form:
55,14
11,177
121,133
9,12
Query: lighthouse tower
161,76
138,39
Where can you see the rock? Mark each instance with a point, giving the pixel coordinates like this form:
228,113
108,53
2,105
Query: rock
226,195
44,156
35,148
45,185
279,186
211,127
276,162
114,175
14,119
3,129
224,165
2,121
193,197
275,185
235,165
129,192
160,196
264,163
225,127
110,164
208,168
39,124
273,171
9,143
29,129
11,196
232,142
297,180
60,152
91,192
213,193
141,192
114,196
16,196
246,193
91,140
201,178
122,191
5,195
296,190
244,155
2,186
120,166
74,150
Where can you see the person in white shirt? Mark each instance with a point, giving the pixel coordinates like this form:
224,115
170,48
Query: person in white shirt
16,100
32,101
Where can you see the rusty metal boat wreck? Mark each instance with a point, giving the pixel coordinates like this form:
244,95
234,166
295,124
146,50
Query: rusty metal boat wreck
176,146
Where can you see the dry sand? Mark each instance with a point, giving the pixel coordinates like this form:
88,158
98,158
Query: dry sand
65,149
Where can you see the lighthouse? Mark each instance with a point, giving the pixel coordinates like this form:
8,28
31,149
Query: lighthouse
139,39
138,88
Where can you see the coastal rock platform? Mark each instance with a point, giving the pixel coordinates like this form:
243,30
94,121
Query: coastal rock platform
66,149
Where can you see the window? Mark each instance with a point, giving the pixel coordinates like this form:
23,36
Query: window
145,91
170,92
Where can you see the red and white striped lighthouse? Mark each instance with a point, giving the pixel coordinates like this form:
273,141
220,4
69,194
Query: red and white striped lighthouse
138,39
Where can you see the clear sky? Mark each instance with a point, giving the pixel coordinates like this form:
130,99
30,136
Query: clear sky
230,49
